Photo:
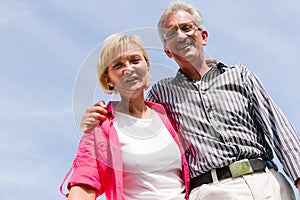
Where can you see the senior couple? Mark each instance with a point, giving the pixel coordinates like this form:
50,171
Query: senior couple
198,135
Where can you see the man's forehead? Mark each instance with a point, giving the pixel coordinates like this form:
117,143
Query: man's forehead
177,18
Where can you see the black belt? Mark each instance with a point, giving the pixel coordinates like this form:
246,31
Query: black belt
257,165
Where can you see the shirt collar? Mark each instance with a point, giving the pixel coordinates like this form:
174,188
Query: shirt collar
212,64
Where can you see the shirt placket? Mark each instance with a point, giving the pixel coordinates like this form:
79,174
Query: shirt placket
210,111
207,107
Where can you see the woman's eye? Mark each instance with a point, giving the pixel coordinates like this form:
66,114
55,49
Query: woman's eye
117,65
135,60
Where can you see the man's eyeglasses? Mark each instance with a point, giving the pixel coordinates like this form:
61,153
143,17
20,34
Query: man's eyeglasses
186,28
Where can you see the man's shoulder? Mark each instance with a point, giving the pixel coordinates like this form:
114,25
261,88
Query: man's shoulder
238,67
164,81
160,88
238,71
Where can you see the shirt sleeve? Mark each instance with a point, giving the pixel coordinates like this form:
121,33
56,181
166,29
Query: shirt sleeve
85,169
272,121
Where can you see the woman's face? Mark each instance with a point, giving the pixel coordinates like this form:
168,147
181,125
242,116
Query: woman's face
129,72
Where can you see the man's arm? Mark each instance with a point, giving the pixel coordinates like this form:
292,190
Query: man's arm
298,184
272,121
93,116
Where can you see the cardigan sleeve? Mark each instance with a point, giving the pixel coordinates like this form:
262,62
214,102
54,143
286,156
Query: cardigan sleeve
85,169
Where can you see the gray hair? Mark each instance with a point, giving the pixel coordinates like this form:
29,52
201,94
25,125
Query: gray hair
179,5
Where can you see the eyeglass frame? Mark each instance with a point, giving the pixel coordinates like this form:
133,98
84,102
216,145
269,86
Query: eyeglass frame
174,30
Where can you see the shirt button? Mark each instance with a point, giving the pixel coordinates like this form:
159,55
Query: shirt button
209,109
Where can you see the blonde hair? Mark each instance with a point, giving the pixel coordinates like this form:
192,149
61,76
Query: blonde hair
111,48
173,7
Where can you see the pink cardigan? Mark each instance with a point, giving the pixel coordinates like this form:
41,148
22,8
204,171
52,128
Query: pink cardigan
98,162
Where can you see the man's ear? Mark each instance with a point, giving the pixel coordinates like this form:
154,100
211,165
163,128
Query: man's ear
169,54
204,35
167,51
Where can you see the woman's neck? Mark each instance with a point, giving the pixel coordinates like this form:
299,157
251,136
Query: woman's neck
135,107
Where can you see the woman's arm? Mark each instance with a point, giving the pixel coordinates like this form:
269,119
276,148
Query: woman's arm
82,192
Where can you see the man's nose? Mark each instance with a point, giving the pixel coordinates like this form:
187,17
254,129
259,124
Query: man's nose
180,34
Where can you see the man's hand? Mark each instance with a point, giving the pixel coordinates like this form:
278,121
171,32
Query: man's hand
298,184
93,116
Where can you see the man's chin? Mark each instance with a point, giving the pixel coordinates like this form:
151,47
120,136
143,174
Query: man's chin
185,58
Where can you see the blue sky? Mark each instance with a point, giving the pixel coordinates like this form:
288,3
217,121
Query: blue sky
46,45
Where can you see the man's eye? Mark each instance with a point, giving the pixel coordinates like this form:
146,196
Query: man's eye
186,27
171,32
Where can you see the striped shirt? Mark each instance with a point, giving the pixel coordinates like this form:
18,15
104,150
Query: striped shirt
225,117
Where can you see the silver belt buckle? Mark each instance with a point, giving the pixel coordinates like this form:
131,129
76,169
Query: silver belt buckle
240,168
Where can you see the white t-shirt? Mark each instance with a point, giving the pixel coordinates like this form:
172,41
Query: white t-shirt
151,159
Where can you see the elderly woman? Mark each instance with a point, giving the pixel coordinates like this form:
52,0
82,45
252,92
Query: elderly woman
135,153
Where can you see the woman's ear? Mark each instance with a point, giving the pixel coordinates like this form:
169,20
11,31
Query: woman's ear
148,65
107,80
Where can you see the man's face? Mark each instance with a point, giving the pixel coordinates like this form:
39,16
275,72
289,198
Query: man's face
184,41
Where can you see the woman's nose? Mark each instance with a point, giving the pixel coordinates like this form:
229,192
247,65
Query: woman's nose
129,68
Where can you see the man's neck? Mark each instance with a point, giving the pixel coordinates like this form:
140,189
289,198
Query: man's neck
195,72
